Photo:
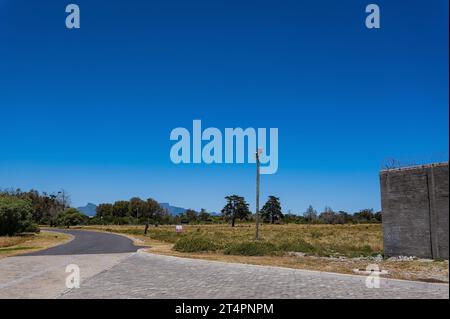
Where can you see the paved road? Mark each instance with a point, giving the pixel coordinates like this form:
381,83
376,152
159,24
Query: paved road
89,242
133,274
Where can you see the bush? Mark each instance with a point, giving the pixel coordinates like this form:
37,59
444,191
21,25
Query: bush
194,244
71,217
251,248
32,228
15,215
297,246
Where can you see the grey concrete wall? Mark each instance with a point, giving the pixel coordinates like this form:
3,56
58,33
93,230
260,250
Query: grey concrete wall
415,206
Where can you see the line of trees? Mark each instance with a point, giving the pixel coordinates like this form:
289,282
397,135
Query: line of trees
44,207
138,211
20,210
131,211
328,216
15,216
237,208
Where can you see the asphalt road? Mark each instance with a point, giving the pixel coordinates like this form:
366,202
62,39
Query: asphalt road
89,242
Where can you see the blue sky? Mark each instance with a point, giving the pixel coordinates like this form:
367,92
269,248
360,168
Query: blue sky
91,110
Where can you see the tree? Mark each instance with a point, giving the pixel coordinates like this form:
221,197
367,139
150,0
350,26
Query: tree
203,215
153,209
236,207
272,210
364,215
104,211
191,215
328,216
44,207
310,214
379,217
120,208
15,215
64,198
137,207
71,217
344,217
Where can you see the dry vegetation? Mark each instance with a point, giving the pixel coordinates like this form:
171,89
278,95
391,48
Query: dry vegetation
14,245
333,248
320,240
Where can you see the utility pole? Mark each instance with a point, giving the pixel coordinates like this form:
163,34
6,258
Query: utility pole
63,197
258,152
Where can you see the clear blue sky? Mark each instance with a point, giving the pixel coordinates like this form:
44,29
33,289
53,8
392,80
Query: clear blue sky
91,110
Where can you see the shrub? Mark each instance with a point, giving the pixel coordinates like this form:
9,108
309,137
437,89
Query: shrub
316,234
194,244
251,248
15,215
32,228
297,246
71,217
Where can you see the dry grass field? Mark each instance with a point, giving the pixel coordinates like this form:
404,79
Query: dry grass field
318,240
333,248
14,245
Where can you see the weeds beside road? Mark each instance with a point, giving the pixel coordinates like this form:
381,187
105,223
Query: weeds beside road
29,242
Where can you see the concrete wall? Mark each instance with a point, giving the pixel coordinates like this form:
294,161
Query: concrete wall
415,206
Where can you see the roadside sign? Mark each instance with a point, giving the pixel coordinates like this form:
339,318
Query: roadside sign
179,228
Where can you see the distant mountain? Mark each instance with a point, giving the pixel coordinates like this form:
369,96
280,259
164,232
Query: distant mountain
88,210
173,210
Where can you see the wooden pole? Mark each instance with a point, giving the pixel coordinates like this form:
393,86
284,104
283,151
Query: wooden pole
257,195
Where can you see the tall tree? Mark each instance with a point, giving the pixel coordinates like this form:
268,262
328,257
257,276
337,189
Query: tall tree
364,215
310,214
272,210
137,207
328,216
203,215
236,207
191,215
104,211
120,208
15,215
153,209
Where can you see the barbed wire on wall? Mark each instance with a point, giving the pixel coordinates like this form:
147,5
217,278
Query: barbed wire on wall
395,163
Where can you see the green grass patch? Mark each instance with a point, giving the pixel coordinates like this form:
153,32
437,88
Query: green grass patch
297,246
194,244
10,249
251,248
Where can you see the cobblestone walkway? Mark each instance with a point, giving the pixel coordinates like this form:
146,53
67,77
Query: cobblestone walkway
152,276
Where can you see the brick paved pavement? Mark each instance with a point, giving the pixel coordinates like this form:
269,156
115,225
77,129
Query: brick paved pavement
152,276
45,276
